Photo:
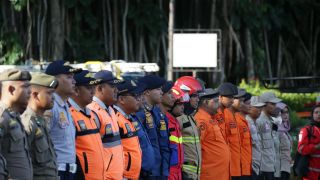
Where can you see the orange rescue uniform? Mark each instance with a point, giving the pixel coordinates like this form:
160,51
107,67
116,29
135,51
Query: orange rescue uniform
215,151
89,148
233,139
246,146
131,147
111,140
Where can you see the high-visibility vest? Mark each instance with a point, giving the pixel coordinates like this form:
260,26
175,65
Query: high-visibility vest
89,148
109,130
192,148
131,147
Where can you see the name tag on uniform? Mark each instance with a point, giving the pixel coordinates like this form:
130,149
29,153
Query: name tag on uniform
108,129
136,125
162,125
128,128
82,125
233,125
149,121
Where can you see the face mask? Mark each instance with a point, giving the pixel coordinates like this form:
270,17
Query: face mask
277,120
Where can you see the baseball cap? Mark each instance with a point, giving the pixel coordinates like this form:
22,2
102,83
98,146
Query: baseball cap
256,101
60,67
269,97
107,77
85,78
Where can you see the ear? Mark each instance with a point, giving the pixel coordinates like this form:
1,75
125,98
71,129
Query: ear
121,99
34,95
77,91
98,88
11,89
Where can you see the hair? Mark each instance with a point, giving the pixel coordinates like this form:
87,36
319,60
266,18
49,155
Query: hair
313,109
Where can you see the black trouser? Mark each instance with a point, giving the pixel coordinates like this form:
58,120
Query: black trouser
66,175
254,176
241,177
266,176
284,176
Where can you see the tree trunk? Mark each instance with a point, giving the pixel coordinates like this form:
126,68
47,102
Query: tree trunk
124,30
56,30
250,63
110,39
213,14
104,23
29,36
279,58
115,27
266,43
170,40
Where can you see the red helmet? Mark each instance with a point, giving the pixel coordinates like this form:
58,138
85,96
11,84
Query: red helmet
189,84
180,95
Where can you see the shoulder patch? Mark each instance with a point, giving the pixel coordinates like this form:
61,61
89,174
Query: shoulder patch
163,126
202,126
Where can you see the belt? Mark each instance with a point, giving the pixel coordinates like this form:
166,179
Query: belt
68,167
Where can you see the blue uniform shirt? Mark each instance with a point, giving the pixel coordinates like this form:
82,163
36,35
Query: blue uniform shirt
62,131
145,144
156,128
161,121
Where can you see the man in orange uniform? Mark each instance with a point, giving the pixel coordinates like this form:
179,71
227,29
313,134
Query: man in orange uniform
226,93
128,103
244,134
91,161
105,97
214,149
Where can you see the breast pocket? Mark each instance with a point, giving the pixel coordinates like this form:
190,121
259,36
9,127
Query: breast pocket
16,139
42,149
267,140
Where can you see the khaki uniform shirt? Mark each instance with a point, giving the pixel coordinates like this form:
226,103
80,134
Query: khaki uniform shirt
13,144
41,147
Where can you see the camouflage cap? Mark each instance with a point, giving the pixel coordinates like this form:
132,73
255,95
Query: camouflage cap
43,79
15,75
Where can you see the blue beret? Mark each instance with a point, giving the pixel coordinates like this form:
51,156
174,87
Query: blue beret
152,81
60,67
167,86
107,77
227,89
85,78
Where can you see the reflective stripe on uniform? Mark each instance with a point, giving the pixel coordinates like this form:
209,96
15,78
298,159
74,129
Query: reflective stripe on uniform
190,168
111,144
190,139
314,169
315,155
175,139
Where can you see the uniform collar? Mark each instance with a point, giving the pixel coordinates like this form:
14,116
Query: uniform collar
148,107
122,112
11,112
205,115
59,100
96,99
78,108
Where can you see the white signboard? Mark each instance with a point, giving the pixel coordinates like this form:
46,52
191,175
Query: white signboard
195,50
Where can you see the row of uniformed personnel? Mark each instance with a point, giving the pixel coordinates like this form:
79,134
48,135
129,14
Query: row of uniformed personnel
67,124
74,125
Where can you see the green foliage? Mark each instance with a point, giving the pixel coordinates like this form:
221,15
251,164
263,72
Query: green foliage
11,50
18,5
295,101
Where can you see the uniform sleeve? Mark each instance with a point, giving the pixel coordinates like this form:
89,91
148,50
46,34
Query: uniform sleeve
165,150
305,147
203,129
